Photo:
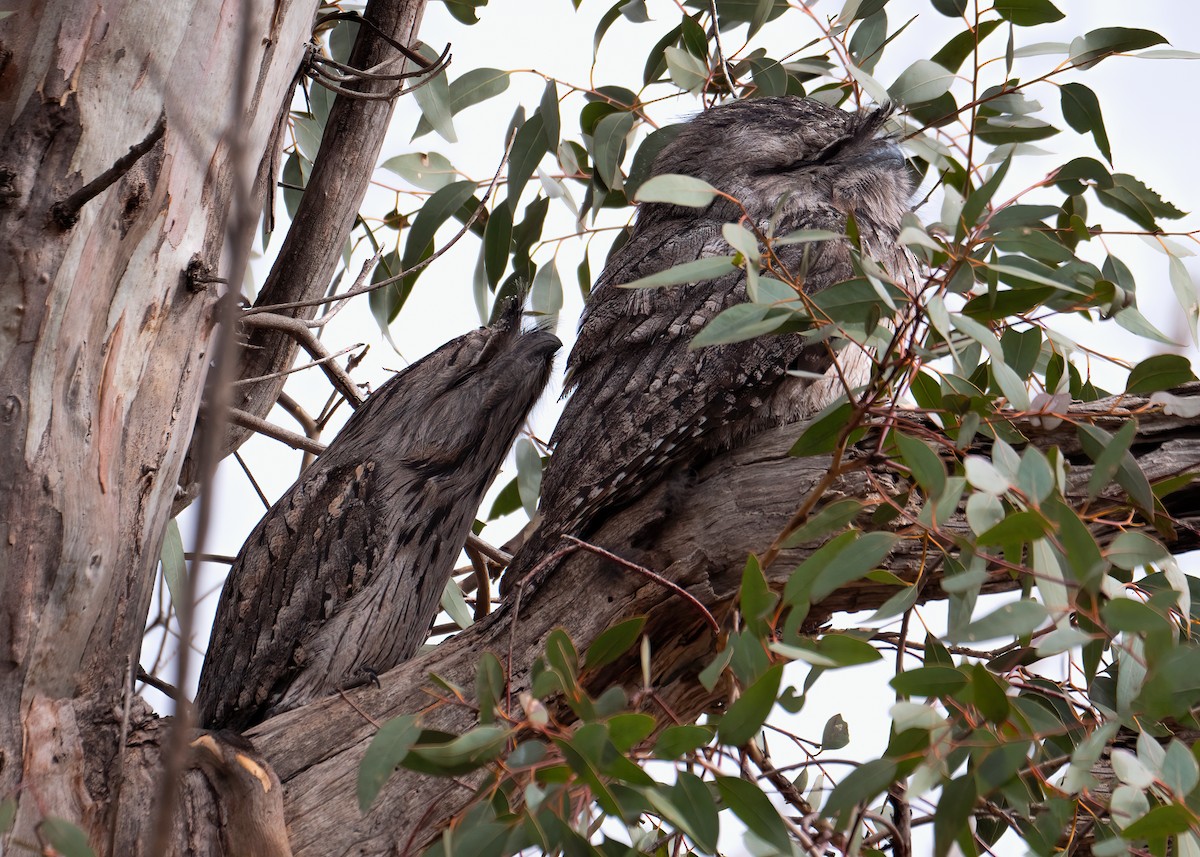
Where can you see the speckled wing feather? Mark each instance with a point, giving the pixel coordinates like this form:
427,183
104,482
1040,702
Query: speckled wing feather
641,399
342,577
643,405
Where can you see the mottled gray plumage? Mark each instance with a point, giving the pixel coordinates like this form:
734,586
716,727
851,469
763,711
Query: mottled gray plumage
342,577
642,405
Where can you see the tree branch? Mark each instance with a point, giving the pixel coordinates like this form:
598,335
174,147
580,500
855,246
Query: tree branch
699,539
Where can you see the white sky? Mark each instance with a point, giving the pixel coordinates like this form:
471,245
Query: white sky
1149,109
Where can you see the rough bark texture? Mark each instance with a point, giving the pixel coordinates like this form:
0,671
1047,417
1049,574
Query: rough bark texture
738,504
310,254
103,347
342,577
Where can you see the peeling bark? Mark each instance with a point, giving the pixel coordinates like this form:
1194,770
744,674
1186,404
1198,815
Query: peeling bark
103,349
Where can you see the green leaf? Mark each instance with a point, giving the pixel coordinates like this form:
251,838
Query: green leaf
862,785
927,468
608,145
551,119
1180,772
614,642
630,729
832,517
695,271
546,296
1124,615
426,170
474,87
439,208
864,554
1016,528
507,501
1012,620
698,810
845,650
954,810
1139,203
386,750
988,695
173,564
1081,551
675,741
739,323
755,597
955,52
711,673
433,97
527,151
1106,41
950,8
489,686
741,722
67,839
463,754
1111,454
1028,13
1160,373
643,158
561,654
1132,549
984,476
754,809
687,71
1081,109
606,21
1160,822
1133,321
929,681
822,434
836,733
497,241
455,605
924,80
677,190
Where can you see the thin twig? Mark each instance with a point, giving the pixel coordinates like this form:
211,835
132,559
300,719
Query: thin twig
293,409
165,688
307,340
490,551
483,600
119,773
295,441
66,212
239,234
250,476
709,619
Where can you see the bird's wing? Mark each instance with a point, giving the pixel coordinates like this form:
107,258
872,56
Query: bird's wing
661,404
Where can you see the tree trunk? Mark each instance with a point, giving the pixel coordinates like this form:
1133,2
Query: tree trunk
114,178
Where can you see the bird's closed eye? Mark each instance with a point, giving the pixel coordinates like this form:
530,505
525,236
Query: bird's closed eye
461,379
822,157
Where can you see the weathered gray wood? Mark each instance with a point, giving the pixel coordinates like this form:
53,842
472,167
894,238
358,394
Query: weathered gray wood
701,535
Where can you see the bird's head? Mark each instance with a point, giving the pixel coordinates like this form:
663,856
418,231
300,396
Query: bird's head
467,398
799,150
